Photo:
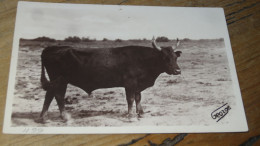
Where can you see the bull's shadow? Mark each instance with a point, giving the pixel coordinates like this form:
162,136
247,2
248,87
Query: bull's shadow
22,118
93,113
19,118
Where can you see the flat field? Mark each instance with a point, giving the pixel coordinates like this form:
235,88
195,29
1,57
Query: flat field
187,99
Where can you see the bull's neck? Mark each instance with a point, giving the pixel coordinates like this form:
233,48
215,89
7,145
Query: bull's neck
160,63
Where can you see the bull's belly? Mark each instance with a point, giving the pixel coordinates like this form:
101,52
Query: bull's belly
91,82
90,85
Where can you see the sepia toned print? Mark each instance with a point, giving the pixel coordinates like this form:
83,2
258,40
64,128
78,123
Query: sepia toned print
204,83
178,81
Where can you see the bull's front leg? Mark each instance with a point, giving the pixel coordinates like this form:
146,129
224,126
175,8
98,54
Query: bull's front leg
139,109
130,97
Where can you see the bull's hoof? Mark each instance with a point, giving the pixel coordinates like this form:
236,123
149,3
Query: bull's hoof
140,112
140,115
41,120
131,118
65,117
129,115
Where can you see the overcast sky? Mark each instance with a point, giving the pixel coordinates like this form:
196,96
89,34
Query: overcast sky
125,22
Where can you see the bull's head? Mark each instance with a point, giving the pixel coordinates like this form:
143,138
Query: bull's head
169,56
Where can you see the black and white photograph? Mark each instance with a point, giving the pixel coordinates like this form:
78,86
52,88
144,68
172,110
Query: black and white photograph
79,68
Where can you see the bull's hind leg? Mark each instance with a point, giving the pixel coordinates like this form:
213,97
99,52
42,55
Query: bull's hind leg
139,109
47,101
130,97
59,96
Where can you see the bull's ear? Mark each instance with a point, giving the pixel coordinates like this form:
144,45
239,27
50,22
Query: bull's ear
178,53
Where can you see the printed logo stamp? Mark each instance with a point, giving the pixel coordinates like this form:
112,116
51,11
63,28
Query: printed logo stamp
220,112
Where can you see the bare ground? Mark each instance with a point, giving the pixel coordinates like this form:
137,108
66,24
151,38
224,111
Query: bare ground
186,99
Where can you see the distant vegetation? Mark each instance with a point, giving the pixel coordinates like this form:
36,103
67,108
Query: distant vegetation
44,39
162,39
76,39
118,40
105,39
88,39
186,39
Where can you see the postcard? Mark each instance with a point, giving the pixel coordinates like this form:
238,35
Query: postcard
80,68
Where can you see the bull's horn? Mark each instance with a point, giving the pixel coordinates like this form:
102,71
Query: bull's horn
176,45
155,45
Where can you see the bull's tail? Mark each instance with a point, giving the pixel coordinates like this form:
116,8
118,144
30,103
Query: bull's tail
45,83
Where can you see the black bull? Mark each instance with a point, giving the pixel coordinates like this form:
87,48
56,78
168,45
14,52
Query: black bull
133,67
